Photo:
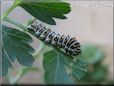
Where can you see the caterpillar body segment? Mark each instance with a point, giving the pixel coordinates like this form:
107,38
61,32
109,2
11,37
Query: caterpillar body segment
69,44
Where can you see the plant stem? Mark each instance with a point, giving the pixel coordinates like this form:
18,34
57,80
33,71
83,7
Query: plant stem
39,50
17,78
15,23
10,9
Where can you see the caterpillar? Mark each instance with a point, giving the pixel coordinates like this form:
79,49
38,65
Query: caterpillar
67,43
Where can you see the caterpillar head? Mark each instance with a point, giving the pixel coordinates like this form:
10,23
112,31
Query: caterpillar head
74,49
29,27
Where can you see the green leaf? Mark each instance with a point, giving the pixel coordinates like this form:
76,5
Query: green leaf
90,54
5,62
100,73
79,69
54,65
15,46
47,11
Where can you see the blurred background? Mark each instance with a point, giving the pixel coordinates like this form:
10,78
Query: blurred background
91,22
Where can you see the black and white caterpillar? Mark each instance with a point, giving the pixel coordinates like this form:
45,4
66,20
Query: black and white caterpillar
70,45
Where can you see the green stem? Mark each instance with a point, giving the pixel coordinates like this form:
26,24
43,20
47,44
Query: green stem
17,78
15,23
10,9
39,50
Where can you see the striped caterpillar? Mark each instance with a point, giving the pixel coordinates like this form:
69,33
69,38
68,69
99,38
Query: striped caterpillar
70,45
